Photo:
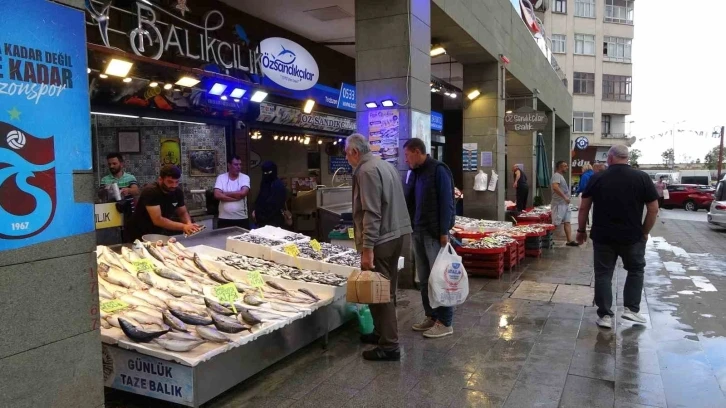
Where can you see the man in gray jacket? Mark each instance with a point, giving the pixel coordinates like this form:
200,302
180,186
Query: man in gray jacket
381,221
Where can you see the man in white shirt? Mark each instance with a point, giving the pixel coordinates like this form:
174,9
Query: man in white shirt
231,190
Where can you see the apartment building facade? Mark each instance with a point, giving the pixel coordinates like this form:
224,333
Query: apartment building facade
592,43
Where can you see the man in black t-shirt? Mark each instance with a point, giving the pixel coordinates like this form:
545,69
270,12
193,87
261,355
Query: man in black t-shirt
618,229
158,203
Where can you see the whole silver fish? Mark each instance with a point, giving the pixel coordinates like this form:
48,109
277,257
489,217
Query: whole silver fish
309,294
216,307
212,334
133,300
210,270
281,307
143,318
113,321
192,318
169,274
149,298
173,321
164,296
252,300
195,300
245,317
179,345
265,316
119,277
227,324
104,293
138,333
179,289
172,335
149,311
105,324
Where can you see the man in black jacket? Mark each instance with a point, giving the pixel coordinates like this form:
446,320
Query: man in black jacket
618,230
429,188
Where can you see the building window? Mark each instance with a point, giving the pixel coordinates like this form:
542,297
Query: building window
606,124
619,11
617,49
582,122
617,88
559,6
559,43
584,44
583,83
585,8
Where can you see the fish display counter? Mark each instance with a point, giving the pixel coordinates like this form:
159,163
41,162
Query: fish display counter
184,324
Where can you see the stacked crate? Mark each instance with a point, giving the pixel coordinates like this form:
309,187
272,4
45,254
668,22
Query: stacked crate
548,240
533,245
511,256
483,262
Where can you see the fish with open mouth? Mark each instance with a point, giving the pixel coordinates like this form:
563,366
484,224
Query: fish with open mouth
179,345
138,333
173,321
212,334
227,324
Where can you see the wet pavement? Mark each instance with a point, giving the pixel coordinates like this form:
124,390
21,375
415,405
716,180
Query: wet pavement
509,352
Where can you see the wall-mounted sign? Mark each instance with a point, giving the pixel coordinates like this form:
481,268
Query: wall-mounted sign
421,127
383,133
582,143
339,162
170,151
346,99
44,123
525,120
107,216
285,115
437,121
288,64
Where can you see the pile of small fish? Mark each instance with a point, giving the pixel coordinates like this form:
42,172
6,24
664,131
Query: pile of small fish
490,242
167,305
541,226
246,263
256,239
531,214
526,229
473,224
294,237
326,251
351,259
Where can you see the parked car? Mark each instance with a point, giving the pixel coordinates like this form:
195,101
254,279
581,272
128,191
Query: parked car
690,197
717,213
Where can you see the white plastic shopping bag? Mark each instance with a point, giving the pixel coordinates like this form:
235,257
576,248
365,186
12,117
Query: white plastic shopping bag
666,194
480,181
493,181
448,283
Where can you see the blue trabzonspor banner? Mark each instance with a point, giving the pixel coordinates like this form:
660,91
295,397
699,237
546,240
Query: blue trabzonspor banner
44,122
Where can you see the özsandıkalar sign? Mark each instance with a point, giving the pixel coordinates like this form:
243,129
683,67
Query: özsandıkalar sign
288,64
285,115
44,132
525,120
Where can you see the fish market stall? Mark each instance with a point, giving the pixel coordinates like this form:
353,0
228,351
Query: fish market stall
184,324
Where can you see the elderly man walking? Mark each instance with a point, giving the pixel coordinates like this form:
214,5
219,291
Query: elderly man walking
430,198
381,221
618,230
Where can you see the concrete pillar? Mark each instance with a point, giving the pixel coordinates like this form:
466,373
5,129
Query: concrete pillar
484,125
50,346
563,148
522,149
393,42
548,135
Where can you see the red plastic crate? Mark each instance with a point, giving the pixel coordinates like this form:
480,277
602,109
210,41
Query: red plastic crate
486,272
483,251
534,253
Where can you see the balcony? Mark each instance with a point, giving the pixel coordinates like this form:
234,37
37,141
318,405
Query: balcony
614,135
619,14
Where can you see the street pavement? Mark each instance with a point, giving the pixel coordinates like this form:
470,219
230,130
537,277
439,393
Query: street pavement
509,350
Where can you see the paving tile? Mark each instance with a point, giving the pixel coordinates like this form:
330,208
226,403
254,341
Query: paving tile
544,373
566,311
533,395
574,294
468,357
255,402
516,331
593,365
495,378
510,351
480,335
638,360
385,391
534,291
476,399
326,396
438,388
587,392
688,380
639,388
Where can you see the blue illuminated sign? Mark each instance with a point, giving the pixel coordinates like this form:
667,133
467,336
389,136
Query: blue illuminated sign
44,123
346,100
437,121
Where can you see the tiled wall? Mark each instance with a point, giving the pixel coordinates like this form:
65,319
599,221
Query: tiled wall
146,164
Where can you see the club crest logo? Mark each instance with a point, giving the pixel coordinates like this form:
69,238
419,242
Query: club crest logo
27,183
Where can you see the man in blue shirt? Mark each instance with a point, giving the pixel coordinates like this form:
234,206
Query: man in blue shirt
429,191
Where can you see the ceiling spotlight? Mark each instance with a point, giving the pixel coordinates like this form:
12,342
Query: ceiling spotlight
223,97
371,105
309,104
236,100
446,93
167,86
508,111
320,142
177,89
452,95
237,93
437,50
119,68
102,76
187,81
335,143
258,96
276,137
473,94
217,89
387,103
127,80
153,84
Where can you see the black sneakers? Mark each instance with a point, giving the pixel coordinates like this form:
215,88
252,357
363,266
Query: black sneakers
378,354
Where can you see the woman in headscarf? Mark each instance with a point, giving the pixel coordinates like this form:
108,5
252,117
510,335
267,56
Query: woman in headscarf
270,202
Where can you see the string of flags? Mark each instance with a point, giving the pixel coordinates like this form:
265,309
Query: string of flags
670,133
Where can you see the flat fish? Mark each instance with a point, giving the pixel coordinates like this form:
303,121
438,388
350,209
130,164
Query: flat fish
173,321
212,334
192,318
217,307
138,333
179,345
227,324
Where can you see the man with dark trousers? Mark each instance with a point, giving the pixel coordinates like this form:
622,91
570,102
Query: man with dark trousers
430,198
381,222
618,230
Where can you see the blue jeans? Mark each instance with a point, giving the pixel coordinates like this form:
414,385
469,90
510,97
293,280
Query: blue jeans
605,257
425,250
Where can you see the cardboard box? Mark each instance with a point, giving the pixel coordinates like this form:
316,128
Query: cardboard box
368,288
